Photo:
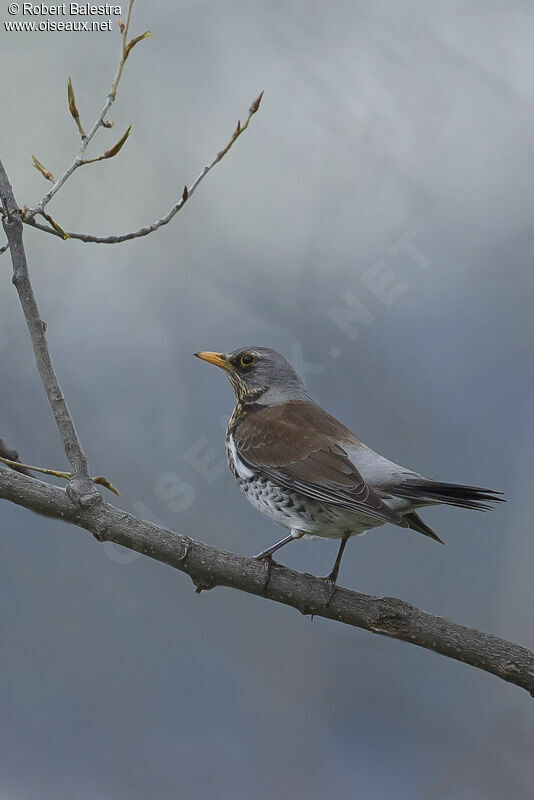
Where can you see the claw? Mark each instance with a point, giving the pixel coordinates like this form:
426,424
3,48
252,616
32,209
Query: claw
330,580
267,557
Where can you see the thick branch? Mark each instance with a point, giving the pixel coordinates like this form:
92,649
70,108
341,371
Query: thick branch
13,229
209,567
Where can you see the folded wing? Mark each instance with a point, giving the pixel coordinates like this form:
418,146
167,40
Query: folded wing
298,446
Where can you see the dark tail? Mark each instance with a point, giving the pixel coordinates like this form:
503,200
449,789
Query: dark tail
453,494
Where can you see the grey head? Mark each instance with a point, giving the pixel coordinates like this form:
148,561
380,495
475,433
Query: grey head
259,375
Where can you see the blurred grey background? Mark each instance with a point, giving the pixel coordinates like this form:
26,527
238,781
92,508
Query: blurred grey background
375,225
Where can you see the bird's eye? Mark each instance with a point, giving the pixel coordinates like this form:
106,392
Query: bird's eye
246,359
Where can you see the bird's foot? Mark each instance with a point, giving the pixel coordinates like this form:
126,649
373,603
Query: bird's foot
330,583
269,561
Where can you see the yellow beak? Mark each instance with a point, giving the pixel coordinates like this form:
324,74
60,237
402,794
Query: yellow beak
214,358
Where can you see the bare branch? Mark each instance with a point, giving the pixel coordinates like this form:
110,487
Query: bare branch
82,485
209,567
29,215
186,194
101,121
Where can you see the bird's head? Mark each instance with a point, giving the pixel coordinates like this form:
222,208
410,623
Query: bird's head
258,375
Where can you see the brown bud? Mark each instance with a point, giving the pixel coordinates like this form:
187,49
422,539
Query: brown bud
185,194
256,104
121,25
117,146
73,108
100,480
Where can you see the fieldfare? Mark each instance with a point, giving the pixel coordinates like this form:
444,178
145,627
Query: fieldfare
310,473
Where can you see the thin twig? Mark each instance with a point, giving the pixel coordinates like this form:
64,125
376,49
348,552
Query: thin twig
83,488
100,122
186,194
209,567
16,464
56,473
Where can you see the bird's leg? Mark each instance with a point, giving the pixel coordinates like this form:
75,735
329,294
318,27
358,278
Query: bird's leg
332,577
335,569
270,550
267,555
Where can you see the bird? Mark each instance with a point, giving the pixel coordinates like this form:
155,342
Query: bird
308,472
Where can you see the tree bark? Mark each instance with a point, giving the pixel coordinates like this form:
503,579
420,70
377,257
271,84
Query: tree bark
209,567
12,222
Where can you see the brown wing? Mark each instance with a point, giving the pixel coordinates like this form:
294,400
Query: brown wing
299,446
